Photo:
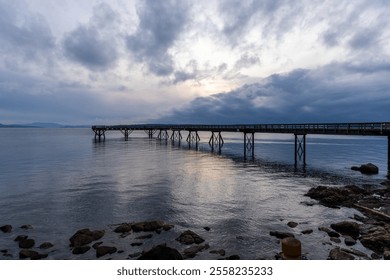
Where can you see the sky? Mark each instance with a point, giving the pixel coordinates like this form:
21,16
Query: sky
204,61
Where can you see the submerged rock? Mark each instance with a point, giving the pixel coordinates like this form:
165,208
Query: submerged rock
104,250
161,252
193,250
368,169
281,235
189,237
85,236
123,228
6,228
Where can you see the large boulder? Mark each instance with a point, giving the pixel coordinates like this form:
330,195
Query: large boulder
377,238
161,252
347,228
368,169
85,236
336,196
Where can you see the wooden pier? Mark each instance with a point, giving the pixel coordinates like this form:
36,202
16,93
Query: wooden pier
173,132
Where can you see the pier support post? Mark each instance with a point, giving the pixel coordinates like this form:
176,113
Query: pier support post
249,144
176,136
100,133
300,148
150,133
216,140
163,135
193,136
126,132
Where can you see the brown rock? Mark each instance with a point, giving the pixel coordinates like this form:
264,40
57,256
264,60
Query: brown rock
123,228
349,241
347,228
104,250
147,236
335,240
46,245
25,254
85,236
376,239
369,169
161,252
337,254
6,228
26,227
80,250
26,243
189,237
193,250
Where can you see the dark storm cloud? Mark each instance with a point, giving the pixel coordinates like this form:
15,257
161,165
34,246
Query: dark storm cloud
94,45
333,93
160,24
27,38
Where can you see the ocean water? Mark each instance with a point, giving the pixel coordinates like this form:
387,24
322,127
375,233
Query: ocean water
61,180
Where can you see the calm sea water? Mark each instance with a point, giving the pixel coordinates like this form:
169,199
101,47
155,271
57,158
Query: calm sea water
61,180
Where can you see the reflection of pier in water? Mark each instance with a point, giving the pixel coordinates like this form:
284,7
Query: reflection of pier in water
173,132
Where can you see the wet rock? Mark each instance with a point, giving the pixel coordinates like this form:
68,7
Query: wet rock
207,228
189,237
338,254
167,227
104,250
292,224
147,226
335,240
85,236
307,203
25,254
220,252
347,228
281,235
46,245
239,237
26,243
234,257
81,250
307,231
121,251
330,232
377,239
336,196
386,255
193,250
26,227
368,169
6,228
158,231
349,241
123,228
356,253
136,244
147,236
97,244
375,256
161,252
20,237
135,255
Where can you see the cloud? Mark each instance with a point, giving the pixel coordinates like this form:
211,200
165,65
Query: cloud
333,93
94,45
160,25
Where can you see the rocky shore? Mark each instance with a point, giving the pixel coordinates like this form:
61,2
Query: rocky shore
155,240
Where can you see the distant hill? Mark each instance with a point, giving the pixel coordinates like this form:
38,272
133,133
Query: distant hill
41,125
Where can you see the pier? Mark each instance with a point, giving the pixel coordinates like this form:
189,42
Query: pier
174,133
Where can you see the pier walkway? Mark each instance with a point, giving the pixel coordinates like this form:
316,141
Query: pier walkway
173,132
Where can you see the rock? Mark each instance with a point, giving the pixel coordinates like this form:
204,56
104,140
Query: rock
356,253
137,227
337,254
46,245
123,228
369,169
158,231
234,257
136,244
25,254
337,196
20,237
292,224
161,252
386,255
355,168
147,236
335,240
349,241
85,236
147,226
376,239
307,231
26,243
80,250
104,250
97,244
347,228
26,227
189,237
135,255
6,228
220,252
207,228
330,232
193,250
281,235
167,227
